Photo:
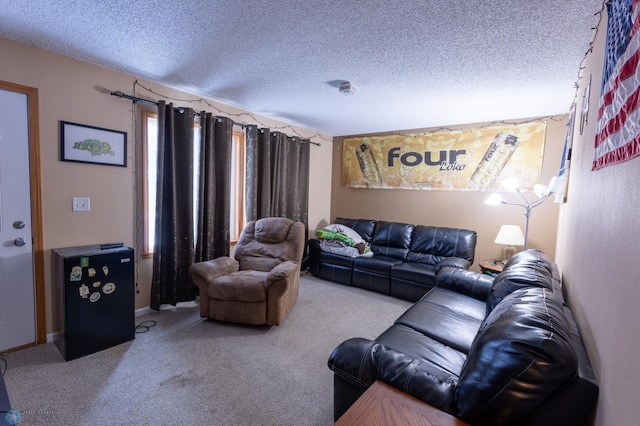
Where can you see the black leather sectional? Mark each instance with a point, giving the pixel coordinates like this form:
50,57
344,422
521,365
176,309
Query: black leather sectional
490,351
405,261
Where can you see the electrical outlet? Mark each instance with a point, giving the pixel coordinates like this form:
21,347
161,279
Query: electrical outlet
81,204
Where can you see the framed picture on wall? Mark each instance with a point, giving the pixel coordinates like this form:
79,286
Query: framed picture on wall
89,144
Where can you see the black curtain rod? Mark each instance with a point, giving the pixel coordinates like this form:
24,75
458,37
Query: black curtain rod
135,99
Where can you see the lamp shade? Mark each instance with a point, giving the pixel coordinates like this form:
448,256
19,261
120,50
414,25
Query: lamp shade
494,200
510,235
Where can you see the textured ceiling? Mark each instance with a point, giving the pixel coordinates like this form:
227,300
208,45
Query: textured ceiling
414,63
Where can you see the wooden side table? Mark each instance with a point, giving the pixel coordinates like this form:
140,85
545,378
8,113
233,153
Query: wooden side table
491,266
382,405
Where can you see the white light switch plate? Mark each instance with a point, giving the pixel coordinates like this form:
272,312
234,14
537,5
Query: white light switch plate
81,204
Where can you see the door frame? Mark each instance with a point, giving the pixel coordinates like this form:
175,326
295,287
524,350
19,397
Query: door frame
36,205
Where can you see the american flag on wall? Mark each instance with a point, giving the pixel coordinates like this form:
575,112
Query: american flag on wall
618,128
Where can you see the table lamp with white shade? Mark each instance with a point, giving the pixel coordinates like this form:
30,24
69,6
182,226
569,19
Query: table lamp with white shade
509,236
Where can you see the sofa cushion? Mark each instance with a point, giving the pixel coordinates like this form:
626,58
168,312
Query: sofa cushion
258,263
364,227
530,268
272,230
447,317
464,305
431,244
417,345
379,264
408,290
392,239
336,273
336,259
415,272
241,286
520,357
264,238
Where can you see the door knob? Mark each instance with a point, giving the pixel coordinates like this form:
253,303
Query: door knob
18,224
19,242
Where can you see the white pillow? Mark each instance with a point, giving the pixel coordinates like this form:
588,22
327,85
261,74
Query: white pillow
345,230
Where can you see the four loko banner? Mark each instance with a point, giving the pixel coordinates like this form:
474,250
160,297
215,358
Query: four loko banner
472,159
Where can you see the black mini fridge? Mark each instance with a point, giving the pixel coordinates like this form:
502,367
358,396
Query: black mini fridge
93,298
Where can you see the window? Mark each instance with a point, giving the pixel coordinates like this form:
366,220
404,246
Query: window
238,217
150,154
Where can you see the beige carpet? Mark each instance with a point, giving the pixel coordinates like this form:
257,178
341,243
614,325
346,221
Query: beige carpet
191,371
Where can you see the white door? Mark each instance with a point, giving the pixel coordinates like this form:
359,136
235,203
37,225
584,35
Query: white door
17,294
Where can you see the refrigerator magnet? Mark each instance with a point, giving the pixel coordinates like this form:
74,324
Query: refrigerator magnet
84,291
76,273
109,288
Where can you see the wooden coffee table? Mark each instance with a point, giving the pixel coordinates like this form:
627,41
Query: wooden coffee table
382,404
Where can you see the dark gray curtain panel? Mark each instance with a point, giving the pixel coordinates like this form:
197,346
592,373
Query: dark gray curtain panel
277,175
258,173
174,229
214,189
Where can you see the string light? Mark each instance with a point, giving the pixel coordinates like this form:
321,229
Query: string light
229,114
582,67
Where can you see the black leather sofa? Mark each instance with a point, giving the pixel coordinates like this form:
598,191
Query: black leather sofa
405,261
490,351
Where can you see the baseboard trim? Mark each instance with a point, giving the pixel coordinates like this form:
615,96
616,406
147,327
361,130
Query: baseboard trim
143,311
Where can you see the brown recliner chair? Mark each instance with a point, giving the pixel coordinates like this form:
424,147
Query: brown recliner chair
259,286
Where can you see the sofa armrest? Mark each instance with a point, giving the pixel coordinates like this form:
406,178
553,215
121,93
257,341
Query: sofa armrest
454,262
464,281
204,272
314,255
282,272
315,243
282,285
362,362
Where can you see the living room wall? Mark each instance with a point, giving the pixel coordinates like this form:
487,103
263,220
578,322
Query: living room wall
67,92
598,241
457,209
